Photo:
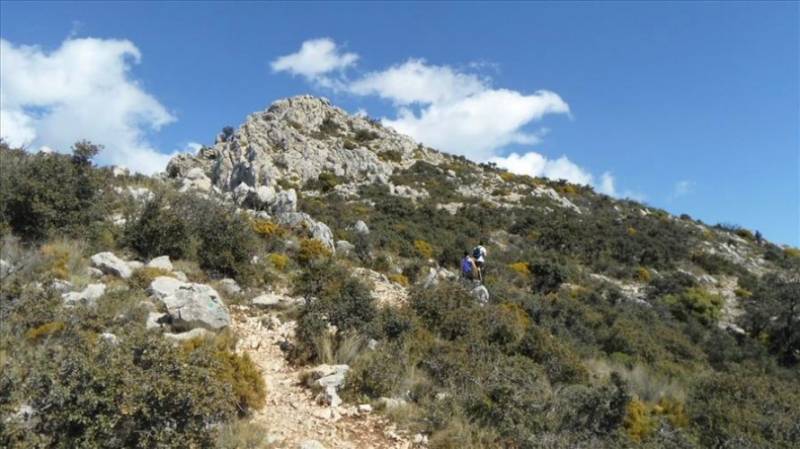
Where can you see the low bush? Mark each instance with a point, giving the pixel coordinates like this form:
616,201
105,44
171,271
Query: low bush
312,250
548,276
279,261
233,369
140,393
716,264
771,315
159,230
268,229
423,248
521,268
43,194
399,279
695,303
638,422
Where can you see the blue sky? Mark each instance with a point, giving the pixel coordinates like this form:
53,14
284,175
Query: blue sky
690,107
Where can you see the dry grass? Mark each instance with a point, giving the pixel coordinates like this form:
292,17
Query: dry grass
242,435
646,385
349,348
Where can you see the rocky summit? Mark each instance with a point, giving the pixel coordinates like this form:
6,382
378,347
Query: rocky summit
315,279
297,139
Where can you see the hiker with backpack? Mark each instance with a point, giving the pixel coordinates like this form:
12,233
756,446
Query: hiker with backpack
469,269
479,254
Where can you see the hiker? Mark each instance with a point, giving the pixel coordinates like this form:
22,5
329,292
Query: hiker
468,267
479,254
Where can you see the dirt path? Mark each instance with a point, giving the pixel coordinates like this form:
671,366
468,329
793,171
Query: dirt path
291,414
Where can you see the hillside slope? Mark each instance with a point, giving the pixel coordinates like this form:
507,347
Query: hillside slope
311,275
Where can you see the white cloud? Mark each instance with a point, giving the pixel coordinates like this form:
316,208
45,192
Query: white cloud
606,185
315,59
535,164
192,147
81,90
458,112
451,110
538,165
682,188
478,125
416,82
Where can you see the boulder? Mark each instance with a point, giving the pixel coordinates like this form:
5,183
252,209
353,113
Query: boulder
88,296
285,201
318,230
266,300
481,294
323,233
344,247
5,268
163,286
134,265
108,263
229,286
435,275
94,272
361,227
191,305
264,197
327,379
161,262
110,338
61,285
195,179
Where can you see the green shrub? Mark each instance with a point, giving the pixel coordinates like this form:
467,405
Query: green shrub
638,421
423,248
771,315
140,393
225,241
745,409
378,373
364,135
560,363
716,264
521,268
695,303
399,279
44,330
333,298
233,369
42,194
312,250
279,261
548,276
391,156
159,230
268,229
325,182
642,274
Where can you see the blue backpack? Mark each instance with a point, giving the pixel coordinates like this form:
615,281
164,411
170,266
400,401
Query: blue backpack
466,265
